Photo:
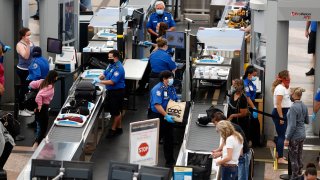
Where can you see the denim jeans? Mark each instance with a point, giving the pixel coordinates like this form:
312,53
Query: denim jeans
244,166
281,129
229,173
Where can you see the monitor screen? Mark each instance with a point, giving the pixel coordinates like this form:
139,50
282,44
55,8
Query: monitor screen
137,17
43,169
121,171
154,173
175,39
54,46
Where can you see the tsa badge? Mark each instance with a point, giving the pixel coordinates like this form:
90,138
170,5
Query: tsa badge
158,93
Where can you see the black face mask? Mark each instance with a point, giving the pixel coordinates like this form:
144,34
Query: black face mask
291,98
111,61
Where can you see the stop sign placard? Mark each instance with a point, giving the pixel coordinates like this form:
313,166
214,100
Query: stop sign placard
143,149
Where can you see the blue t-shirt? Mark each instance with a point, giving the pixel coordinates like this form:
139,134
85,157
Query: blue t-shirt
314,26
160,61
154,19
115,73
250,89
38,69
160,94
317,96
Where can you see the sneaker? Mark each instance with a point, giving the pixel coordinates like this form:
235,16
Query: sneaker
111,133
30,112
282,161
119,131
35,17
24,113
310,72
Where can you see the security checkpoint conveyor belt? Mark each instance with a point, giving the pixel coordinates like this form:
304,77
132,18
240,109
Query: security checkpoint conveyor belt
66,143
199,139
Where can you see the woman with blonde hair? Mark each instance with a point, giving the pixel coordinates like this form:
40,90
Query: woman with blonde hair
232,148
281,103
296,133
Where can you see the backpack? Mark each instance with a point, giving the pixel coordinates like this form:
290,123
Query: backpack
85,90
30,99
11,124
201,165
95,63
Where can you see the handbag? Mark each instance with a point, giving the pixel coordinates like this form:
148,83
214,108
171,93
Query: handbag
85,90
30,99
11,124
176,109
201,165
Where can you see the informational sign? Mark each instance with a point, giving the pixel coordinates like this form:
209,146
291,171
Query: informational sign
143,143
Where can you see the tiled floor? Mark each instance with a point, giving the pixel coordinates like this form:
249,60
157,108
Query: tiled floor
299,63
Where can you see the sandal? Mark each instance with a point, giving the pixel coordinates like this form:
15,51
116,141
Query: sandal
282,161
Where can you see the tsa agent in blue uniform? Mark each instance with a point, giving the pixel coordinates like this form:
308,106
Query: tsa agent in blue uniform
250,91
159,16
114,79
160,61
159,98
39,66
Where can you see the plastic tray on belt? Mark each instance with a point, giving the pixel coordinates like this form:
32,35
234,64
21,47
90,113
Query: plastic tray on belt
92,73
68,122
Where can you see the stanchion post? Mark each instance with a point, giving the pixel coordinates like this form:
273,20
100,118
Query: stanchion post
187,79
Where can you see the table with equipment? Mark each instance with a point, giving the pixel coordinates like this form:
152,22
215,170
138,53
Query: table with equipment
134,70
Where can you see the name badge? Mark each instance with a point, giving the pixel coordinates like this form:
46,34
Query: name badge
165,94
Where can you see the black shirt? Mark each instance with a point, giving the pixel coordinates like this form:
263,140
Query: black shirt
245,147
235,106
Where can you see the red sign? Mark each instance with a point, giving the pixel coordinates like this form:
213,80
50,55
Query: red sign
143,149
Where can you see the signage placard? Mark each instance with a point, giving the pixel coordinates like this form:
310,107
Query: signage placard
143,142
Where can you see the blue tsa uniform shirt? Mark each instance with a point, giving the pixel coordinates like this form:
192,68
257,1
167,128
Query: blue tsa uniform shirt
160,94
250,89
38,69
317,96
115,73
160,61
154,19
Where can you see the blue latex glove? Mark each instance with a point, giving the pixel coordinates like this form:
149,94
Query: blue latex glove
96,80
169,118
314,116
7,48
255,114
147,43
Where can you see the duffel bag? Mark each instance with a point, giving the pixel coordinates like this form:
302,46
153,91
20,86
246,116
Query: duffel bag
85,90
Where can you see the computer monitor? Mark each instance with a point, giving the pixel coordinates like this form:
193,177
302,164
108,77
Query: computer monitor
175,39
154,173
137,17
121,171
44,169
54,45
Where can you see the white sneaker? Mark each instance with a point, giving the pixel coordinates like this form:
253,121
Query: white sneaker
29,112
24,113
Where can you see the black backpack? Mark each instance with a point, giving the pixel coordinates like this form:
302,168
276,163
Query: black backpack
30,99
11,124
85,90
201,165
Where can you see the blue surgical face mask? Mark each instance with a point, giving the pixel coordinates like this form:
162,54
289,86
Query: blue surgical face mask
159,11
170,83
253,78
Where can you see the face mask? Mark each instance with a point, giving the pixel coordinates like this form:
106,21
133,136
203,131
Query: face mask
28,37
291,98
170,83
232,90
159,11
253,78
111,61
